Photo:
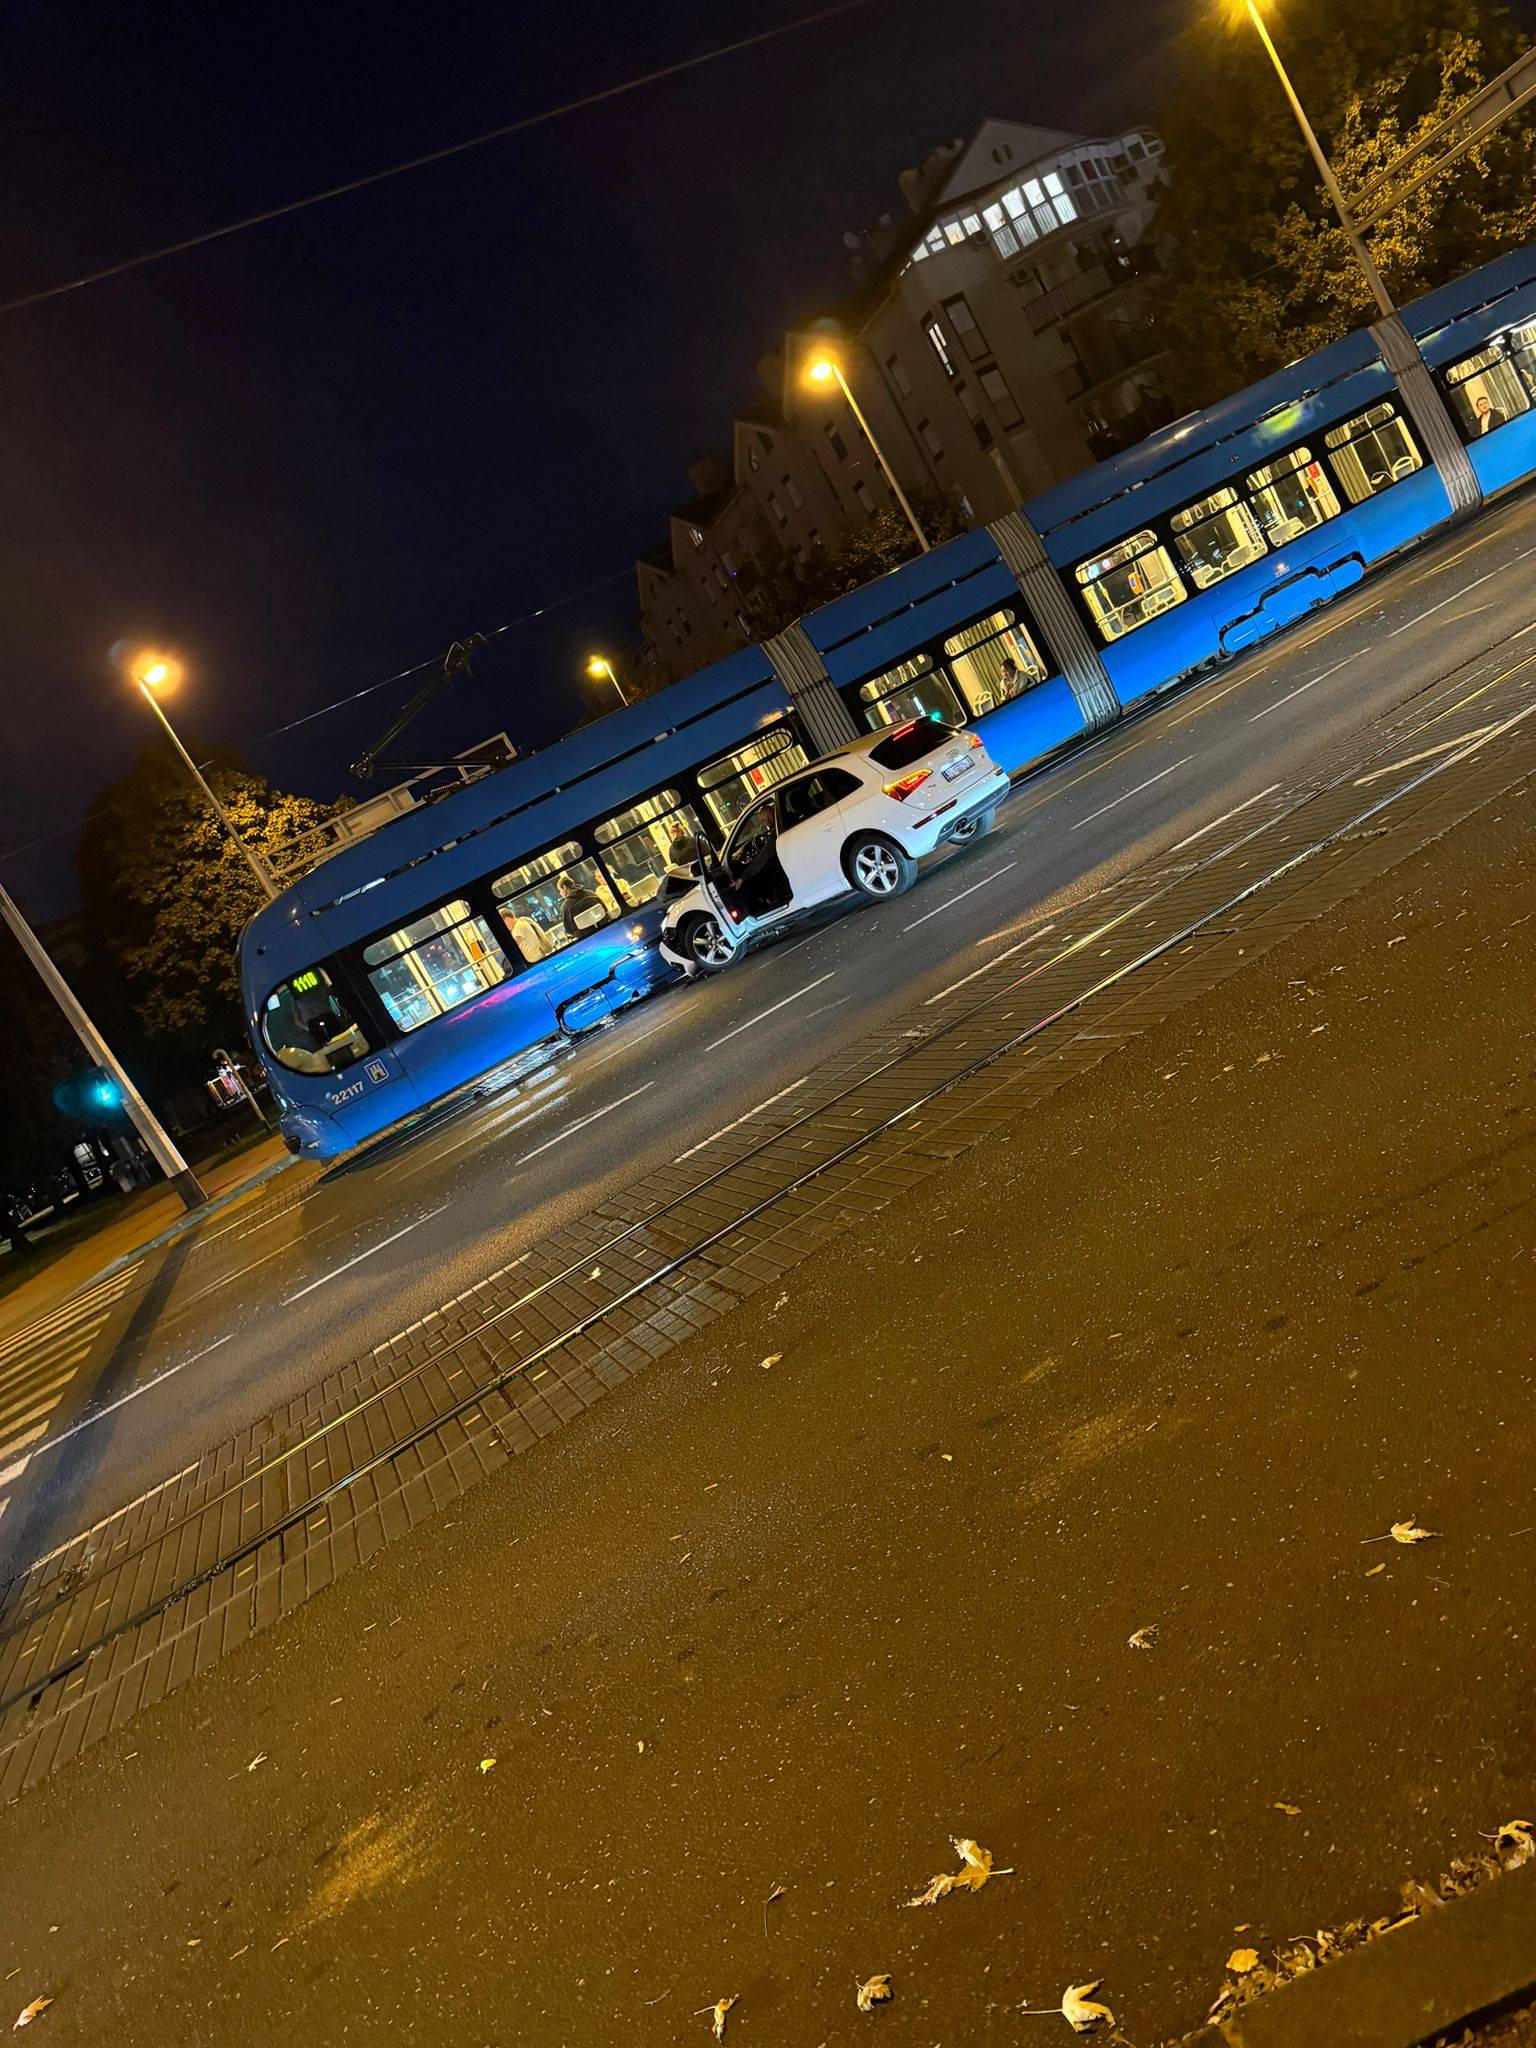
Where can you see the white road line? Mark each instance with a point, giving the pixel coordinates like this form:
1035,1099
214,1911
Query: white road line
731,1126
17,1394
1465,739
34,1414
1132,792
960,896
1419,617
41,1361
1327,672
1243,806
52,1326
1531,628
15,1471
20,1443
986,968
581,1123
133,1393
772,1007
383,1245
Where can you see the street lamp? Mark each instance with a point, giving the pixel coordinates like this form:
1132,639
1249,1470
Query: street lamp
826,369
1352,233
598,667
154,672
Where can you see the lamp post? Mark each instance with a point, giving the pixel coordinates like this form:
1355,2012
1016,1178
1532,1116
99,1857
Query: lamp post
826,370
155,672
163,1152
600,666
1352,233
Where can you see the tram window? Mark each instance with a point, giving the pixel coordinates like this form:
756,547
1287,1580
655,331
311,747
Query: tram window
993,660
1291,496
1485,392
637,844
308,1027
554,898
1216,537
1521,345
1371,452
731,783
433,964
913,689
1131,584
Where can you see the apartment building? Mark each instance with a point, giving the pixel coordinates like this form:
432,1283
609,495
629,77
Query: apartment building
998,339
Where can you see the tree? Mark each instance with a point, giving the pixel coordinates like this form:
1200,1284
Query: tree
165,895
1260,272
883,543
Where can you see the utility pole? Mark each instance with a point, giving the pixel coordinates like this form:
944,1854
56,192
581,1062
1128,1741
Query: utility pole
165,1154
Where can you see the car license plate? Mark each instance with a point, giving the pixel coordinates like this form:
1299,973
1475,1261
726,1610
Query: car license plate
955,768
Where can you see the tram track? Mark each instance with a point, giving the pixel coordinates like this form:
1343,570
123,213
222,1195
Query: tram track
72,1588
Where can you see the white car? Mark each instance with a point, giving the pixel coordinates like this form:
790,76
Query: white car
855,821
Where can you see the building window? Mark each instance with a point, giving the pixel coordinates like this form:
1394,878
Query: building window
861,491
913,689
1130,584
556,897
940,347
930,440
795,497
993,660
899,376
729,560
963,321
973,412
1216,538
1291,496
698,538
433,964
308,1027
835,441
1485,392
777,509
638,845
995,385
1371,452
734,781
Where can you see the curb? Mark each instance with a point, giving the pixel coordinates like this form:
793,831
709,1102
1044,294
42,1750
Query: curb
1442,1970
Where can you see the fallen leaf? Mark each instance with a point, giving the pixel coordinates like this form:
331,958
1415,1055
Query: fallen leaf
719,2009
772,1359
1375,1568
1242,1960
487,1763
30,2012
1397,941
1409,1532
1281,1807
595,1273
875,1992
1515,1843
975,1869
1077,2007
1144,1638
1242,1927
639,1749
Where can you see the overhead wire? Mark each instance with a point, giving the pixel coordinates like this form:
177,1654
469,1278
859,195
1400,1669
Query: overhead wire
428,157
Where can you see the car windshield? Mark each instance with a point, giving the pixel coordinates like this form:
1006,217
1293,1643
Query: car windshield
909,743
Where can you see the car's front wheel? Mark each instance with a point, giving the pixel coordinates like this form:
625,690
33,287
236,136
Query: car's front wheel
877,866
706,944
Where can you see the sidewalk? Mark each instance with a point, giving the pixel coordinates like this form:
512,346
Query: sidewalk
48,1276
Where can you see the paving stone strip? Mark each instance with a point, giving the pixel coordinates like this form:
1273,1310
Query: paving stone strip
124,1612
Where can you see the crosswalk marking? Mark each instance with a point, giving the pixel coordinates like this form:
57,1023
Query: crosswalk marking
37,1365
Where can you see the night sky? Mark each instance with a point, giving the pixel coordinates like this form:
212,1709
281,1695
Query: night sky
313,454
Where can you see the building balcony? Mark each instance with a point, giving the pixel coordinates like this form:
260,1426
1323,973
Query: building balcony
1050,308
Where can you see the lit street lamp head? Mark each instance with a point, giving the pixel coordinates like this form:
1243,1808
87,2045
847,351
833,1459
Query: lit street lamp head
597,668
823,370
155,671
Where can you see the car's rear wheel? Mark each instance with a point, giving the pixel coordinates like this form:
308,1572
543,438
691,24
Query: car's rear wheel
975,827
706,944
877,866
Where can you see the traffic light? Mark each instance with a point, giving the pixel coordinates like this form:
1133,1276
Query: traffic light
105,1093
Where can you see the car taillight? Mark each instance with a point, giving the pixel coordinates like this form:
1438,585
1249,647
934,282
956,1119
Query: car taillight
973,739
907,783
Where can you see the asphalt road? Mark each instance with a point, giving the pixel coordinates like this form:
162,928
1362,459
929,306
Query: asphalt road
239,1317
687,1705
